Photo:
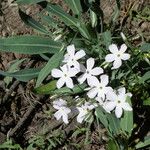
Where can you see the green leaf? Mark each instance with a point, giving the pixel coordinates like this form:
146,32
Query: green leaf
126,121
145,47
58,11
49,20
46,89
29,45
112,145
32,23
100,113
116,12
54,62
13,67
114,124
145,77
147,102
75,6
107,40
28,1
66,91
146,142
93,17
23,75
68,20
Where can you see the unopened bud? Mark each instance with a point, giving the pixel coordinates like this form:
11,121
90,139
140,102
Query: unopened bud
123,36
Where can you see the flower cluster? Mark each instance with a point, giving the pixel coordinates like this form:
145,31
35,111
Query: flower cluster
98,83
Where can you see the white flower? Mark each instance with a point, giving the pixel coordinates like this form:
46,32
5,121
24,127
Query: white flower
84,111
90,72
65,75
71,58
118,102
63,111
99,88
117,55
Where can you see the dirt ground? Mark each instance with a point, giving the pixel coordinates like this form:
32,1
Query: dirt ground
22,113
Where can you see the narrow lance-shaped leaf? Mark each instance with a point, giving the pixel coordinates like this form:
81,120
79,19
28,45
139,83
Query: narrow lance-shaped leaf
70,21
144,143
32,23
47,88
93,17
126,121
145,47
114,124
52,63
147,102
28,1
106,36
76,90
29,45
58,11
23,75
99,112
50,88
13,67
75,6
145,77
49,20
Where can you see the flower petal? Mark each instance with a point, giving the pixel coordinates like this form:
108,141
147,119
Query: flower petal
108,89
125,56
64,69
90,63
80,118
72,72
79,54
100,100
109,106
101,94
57,73
123,48
96,71
60,102
69,83
110,57
92,93
76,66
113,48
111,96
71,50
116,64
126,107
82,78
65,118
58,115
60,83
121,90
118,112
104,79
93,81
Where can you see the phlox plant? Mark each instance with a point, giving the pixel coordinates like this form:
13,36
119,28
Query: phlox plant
92,62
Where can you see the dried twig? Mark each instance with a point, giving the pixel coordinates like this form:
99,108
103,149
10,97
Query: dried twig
27,116
6,96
